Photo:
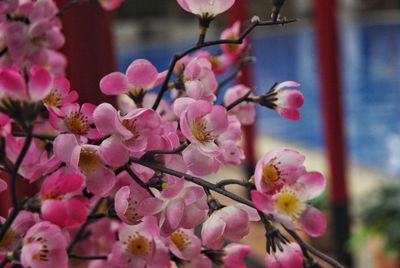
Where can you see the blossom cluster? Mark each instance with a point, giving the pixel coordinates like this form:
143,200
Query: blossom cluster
119,187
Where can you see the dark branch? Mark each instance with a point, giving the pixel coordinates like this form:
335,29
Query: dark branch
72,256
244,98
177,57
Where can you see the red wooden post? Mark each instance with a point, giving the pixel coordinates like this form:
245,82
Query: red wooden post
328,61
89,49
239,11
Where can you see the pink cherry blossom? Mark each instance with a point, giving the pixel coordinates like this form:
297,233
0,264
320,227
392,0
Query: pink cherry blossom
234,254
285,102
233,51
86,159
139,246
164,109
199,79
44,247
27,43
61,203
206,8
14,235
201,123
184,244
290,257
245,111
140,76
60,94
110,4
127,201
289,204
230,222
179,205
130,134
12,84
230,143
37,161
278,167
75,119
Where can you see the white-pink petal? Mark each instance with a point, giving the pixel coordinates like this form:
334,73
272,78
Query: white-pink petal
114,84
313,222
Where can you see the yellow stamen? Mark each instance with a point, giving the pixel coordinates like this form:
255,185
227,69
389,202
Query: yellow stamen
270,174
53,99
130,125
289,203
199,131
179,239
138,245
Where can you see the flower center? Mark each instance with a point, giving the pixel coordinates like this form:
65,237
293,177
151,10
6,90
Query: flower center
55,194
53,99
88,160
270,174
138,245
179,239
289,203
200,132
7,239
130,125
42,255
130,212
77,123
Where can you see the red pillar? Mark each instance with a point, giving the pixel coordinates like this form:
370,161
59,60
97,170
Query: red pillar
239,11
89,49
328,66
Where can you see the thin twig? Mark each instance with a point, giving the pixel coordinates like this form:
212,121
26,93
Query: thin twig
177,57
137,179
244,98
177,150
223,183
314,251
73,256
13,185
196,180
38,136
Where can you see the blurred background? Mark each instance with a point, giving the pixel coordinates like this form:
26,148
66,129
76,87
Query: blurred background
357,74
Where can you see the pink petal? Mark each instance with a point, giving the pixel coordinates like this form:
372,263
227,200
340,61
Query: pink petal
287,84
101,181
113,152
142,74
262,202
174,212
213,229
313,183
65,213
12,82
110,4
64,145
313,222
40,83
288,113
114,84
150,206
